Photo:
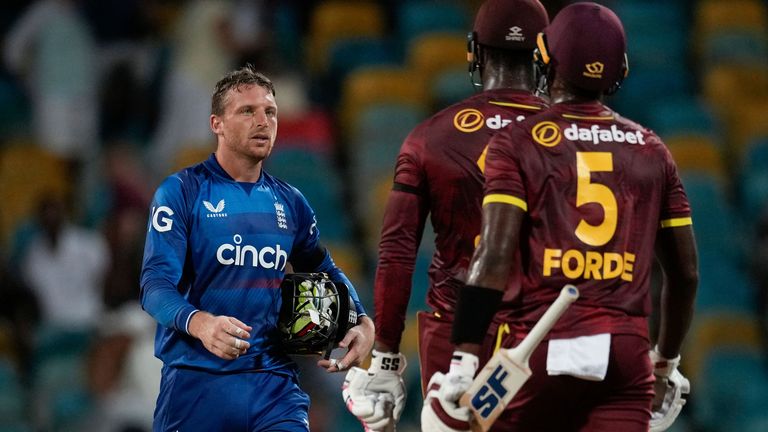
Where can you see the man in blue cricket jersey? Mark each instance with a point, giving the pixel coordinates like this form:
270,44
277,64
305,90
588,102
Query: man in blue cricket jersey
220,236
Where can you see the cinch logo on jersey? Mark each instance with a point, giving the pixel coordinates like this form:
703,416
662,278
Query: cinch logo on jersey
575,264
247,255
215,211
595,134
159,222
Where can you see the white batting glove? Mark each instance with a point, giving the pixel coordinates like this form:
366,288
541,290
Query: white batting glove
441,411
674,385
376,396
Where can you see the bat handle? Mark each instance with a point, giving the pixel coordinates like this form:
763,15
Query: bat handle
568,295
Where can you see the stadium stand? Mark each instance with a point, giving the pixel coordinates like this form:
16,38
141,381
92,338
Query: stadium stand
373,69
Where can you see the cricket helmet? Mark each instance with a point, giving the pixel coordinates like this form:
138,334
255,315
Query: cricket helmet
586,46
505,24
315,313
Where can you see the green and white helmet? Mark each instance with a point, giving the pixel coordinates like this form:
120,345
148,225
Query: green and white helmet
315,314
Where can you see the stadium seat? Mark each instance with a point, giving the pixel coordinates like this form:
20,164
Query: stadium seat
372,211
644,88
685,118
387,122
422,16
698,154
349,54
22,185
311,131
14,109
370,85
187,156
733,390
725,87
638,15
287,34
334,20
12,395
434,52
375,142
714,15
59,391
451,86
316,177
723,283
753,187
347,257
735,47
713,216
711,332
748,122
660,50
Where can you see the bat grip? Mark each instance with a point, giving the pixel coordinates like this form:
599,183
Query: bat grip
568,295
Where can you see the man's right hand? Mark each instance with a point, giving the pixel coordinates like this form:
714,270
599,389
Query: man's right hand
225,337
441,411
376,396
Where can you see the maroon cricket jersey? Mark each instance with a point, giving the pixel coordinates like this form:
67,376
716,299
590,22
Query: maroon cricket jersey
439,174
596,187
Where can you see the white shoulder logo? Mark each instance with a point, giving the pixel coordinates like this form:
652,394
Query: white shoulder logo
218,209
160,222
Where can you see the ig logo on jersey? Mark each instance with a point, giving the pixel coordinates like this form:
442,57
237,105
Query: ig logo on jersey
160,222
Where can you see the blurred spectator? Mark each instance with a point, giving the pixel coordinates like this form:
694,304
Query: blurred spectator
19,316
202,52
127,111
250,33
125,225
117,20
123,372
51,46
65,266
760,274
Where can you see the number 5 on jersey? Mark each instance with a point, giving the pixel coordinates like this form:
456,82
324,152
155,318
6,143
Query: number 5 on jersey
590,192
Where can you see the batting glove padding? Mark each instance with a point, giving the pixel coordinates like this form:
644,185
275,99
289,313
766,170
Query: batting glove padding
376,396
441,411
676,386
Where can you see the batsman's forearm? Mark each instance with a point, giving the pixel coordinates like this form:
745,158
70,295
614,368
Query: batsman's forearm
676,315
676,250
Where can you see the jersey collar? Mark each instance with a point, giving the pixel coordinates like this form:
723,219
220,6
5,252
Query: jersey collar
213,166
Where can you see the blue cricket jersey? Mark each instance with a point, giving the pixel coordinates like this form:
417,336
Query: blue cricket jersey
222,247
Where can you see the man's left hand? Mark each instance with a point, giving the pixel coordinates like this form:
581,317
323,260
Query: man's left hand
358,341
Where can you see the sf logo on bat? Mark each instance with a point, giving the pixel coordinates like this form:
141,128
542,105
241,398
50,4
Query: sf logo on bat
491,393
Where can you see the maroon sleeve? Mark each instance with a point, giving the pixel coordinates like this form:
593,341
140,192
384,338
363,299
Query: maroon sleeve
502,171
674,203
404,218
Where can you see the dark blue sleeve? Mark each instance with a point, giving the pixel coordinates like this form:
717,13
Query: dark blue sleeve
307,249
165,252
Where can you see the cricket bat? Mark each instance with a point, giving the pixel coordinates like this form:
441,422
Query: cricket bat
498,382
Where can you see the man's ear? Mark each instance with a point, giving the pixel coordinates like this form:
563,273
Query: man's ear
215,124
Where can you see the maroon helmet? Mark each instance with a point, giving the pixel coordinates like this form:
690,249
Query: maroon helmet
586,46
505,24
